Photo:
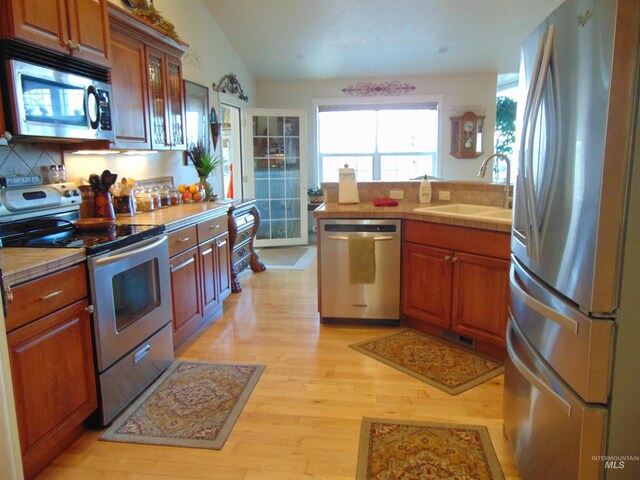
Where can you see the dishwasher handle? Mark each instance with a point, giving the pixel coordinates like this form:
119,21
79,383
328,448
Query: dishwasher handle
375,239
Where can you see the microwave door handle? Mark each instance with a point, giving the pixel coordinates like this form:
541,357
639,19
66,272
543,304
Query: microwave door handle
92,106
121,256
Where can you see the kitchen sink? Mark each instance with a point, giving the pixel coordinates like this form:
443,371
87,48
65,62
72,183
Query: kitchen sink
502,214
457,209
463,210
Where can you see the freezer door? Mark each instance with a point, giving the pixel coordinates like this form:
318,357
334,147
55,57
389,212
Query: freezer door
552,432
569,204
577,347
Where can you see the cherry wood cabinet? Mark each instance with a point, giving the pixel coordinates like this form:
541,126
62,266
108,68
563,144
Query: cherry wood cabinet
147,86
244,220
52,365
75,27
456,278
166,98
200,275
3,125
128,81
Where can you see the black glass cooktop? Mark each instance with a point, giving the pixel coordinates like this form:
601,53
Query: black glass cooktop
59,232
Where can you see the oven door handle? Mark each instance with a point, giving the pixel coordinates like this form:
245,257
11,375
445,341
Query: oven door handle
131,253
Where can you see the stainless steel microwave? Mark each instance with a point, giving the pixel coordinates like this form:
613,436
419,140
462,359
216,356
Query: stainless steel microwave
49,103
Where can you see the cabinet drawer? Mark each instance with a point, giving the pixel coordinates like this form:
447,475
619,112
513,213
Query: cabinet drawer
45,295
210,228
471,240
240,252
182,239
243,235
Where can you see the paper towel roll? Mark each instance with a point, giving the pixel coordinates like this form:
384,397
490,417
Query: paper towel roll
347,186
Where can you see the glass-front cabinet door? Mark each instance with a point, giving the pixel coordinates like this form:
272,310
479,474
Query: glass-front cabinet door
277,174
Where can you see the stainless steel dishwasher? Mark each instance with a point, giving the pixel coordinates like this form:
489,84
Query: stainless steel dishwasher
341,300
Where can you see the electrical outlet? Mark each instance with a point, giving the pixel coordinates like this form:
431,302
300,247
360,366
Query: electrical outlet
444,195
396,194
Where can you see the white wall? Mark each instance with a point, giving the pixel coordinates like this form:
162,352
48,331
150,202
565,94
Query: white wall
210,56
460,93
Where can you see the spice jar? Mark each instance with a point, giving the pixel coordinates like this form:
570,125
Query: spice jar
164,196
175,198
144,201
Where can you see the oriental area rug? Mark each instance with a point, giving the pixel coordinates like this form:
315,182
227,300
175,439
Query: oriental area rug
441,364
395,449
191,405
287,258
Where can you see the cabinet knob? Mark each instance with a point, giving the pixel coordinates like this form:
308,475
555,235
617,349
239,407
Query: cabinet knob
454,259
8,293
184,239
447,258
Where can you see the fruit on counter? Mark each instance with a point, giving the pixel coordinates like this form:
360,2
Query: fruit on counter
182,188
197,196
186,196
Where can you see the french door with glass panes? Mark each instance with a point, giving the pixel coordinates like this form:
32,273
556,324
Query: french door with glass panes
277,174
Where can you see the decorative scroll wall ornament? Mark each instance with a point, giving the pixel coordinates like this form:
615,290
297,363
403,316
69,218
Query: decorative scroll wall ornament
230,84
192,57
370,89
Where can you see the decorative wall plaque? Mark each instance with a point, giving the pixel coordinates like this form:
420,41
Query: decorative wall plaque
371,89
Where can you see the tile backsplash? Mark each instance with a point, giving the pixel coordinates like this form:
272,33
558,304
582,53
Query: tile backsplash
27,159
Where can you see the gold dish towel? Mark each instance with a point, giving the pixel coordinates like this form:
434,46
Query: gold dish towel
362,260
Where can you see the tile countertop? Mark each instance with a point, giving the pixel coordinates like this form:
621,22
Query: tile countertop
23,264
405,210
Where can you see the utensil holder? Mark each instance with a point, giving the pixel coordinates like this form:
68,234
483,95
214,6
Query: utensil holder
102,206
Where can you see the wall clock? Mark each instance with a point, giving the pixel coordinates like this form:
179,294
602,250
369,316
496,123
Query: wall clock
466,136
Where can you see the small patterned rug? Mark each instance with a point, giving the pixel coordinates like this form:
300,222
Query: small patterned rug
287,258
190,405
397,450
446,366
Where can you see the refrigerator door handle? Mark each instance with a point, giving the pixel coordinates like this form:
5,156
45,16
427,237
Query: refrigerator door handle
532,378
534,223
522,157
536,305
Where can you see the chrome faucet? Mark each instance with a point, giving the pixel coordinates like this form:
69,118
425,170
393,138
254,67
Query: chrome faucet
507,183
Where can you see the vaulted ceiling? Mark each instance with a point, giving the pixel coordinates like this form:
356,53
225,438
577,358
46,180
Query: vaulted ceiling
319,39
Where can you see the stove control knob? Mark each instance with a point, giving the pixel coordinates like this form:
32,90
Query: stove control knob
67,193
76,193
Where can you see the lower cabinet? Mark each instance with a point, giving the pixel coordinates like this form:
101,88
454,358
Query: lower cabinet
456,278
200,276
52,367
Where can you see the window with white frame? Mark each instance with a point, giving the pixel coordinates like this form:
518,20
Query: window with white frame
382,142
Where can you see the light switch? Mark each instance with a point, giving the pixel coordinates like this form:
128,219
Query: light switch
396,194
444,195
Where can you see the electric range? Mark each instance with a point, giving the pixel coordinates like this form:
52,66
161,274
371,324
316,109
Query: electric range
44,216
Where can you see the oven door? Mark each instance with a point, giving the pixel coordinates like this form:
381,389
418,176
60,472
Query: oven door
131,294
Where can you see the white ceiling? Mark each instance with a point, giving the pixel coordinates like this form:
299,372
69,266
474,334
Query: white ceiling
314,39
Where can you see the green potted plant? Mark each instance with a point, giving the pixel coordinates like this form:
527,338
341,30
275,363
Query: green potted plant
316,194
204,163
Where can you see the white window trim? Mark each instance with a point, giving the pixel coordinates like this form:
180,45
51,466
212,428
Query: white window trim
404,100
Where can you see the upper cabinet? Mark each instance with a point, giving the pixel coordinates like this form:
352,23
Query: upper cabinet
74,27
147,86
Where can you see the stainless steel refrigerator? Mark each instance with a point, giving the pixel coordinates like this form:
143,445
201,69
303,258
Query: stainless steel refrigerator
572,382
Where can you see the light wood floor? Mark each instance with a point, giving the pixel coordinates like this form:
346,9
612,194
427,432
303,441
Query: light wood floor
303,419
